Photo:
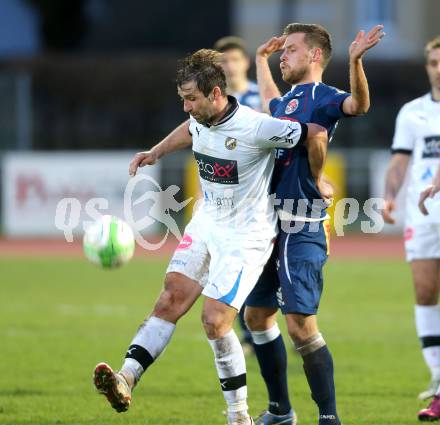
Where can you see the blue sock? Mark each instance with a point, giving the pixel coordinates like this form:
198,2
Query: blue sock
318,367
272,358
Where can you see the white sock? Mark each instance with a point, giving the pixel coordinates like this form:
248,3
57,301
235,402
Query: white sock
428,330
264,337
149,342
231,369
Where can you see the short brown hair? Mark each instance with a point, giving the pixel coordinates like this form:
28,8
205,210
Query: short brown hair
230,42
432,44
203,67
315,36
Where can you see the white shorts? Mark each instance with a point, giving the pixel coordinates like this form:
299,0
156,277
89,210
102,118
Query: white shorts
422,241
226,264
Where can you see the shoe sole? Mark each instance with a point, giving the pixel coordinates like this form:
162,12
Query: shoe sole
428,418
105,382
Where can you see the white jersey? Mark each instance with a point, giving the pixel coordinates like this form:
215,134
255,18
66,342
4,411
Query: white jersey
235,159
418,134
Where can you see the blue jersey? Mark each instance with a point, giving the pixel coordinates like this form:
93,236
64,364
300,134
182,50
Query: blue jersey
251,97
292,179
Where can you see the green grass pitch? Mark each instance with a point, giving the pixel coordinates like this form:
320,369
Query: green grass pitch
60,317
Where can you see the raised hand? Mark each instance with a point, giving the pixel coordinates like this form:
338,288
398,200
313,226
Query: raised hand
364,42
141,159
273,45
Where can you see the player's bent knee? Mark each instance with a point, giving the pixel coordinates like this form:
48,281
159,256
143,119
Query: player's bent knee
167,306
259,319
301,327
215,324
426,295
298,336
173,299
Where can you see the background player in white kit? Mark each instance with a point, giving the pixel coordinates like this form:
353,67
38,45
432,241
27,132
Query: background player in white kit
228,240
417,138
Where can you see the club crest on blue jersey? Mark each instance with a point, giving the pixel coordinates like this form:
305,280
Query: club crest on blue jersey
230,143
292,106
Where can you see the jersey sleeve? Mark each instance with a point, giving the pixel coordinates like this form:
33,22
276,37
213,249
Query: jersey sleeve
273,104
276,133
403,140
332,100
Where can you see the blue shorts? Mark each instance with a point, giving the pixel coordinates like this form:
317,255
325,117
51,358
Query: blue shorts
292,278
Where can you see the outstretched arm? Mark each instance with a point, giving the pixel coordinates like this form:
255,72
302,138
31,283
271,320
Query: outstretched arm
266,84
359,101
393,182
429,192
179,138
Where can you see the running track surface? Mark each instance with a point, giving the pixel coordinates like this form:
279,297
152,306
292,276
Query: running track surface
363,247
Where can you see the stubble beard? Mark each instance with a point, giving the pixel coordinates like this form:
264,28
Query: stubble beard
206,119
294,76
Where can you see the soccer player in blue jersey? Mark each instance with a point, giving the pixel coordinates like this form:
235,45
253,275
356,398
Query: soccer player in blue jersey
236,63
292,280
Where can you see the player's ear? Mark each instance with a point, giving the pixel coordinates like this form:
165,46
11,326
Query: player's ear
215,94
316,54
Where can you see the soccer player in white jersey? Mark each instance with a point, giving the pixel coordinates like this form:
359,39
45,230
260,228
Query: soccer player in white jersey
230,237
417,139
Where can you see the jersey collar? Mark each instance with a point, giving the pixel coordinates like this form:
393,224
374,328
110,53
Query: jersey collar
233,108
316,83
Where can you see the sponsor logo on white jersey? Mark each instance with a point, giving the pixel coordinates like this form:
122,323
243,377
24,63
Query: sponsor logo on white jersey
217,170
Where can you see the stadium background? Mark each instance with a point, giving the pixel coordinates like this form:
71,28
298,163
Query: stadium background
84,85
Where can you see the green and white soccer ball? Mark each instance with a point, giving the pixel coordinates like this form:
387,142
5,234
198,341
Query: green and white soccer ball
109,242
